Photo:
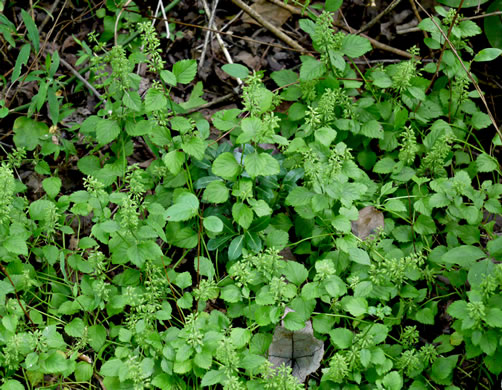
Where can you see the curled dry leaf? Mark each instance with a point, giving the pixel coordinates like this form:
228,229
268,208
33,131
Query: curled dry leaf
299,350
369,221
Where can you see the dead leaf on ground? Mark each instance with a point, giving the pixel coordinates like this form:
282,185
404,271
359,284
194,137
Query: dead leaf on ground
33,181
299,350
369,221
251,61
287,254
270,12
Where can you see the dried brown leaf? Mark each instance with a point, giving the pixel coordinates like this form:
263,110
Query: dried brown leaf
298,349
369,221
271,12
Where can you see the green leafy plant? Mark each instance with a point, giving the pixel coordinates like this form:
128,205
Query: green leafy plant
358,219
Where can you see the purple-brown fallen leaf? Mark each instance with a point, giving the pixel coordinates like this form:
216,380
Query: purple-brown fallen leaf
299,350
369,221
271,12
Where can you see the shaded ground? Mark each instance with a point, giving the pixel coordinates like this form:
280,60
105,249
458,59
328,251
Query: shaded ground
246,40
63,24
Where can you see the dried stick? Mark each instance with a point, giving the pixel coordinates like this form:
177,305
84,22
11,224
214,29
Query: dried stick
225,26
269,26
160,6
408,30
220,41
208,33
84,81
483,15
373,21
100,380
172,20
417,15
237,16
415,11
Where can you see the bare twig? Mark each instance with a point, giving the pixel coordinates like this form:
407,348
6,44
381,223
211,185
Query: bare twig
415,10
31,10
160,7
239,36
385,61
223,28
84,81
220,41
373,21
208,33
64,24
269,26
100,380
407,30
163,10
237,16
417,15
374,42
302,50
483,15
476,85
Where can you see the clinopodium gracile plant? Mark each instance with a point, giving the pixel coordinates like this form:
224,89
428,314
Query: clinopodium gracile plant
349,206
